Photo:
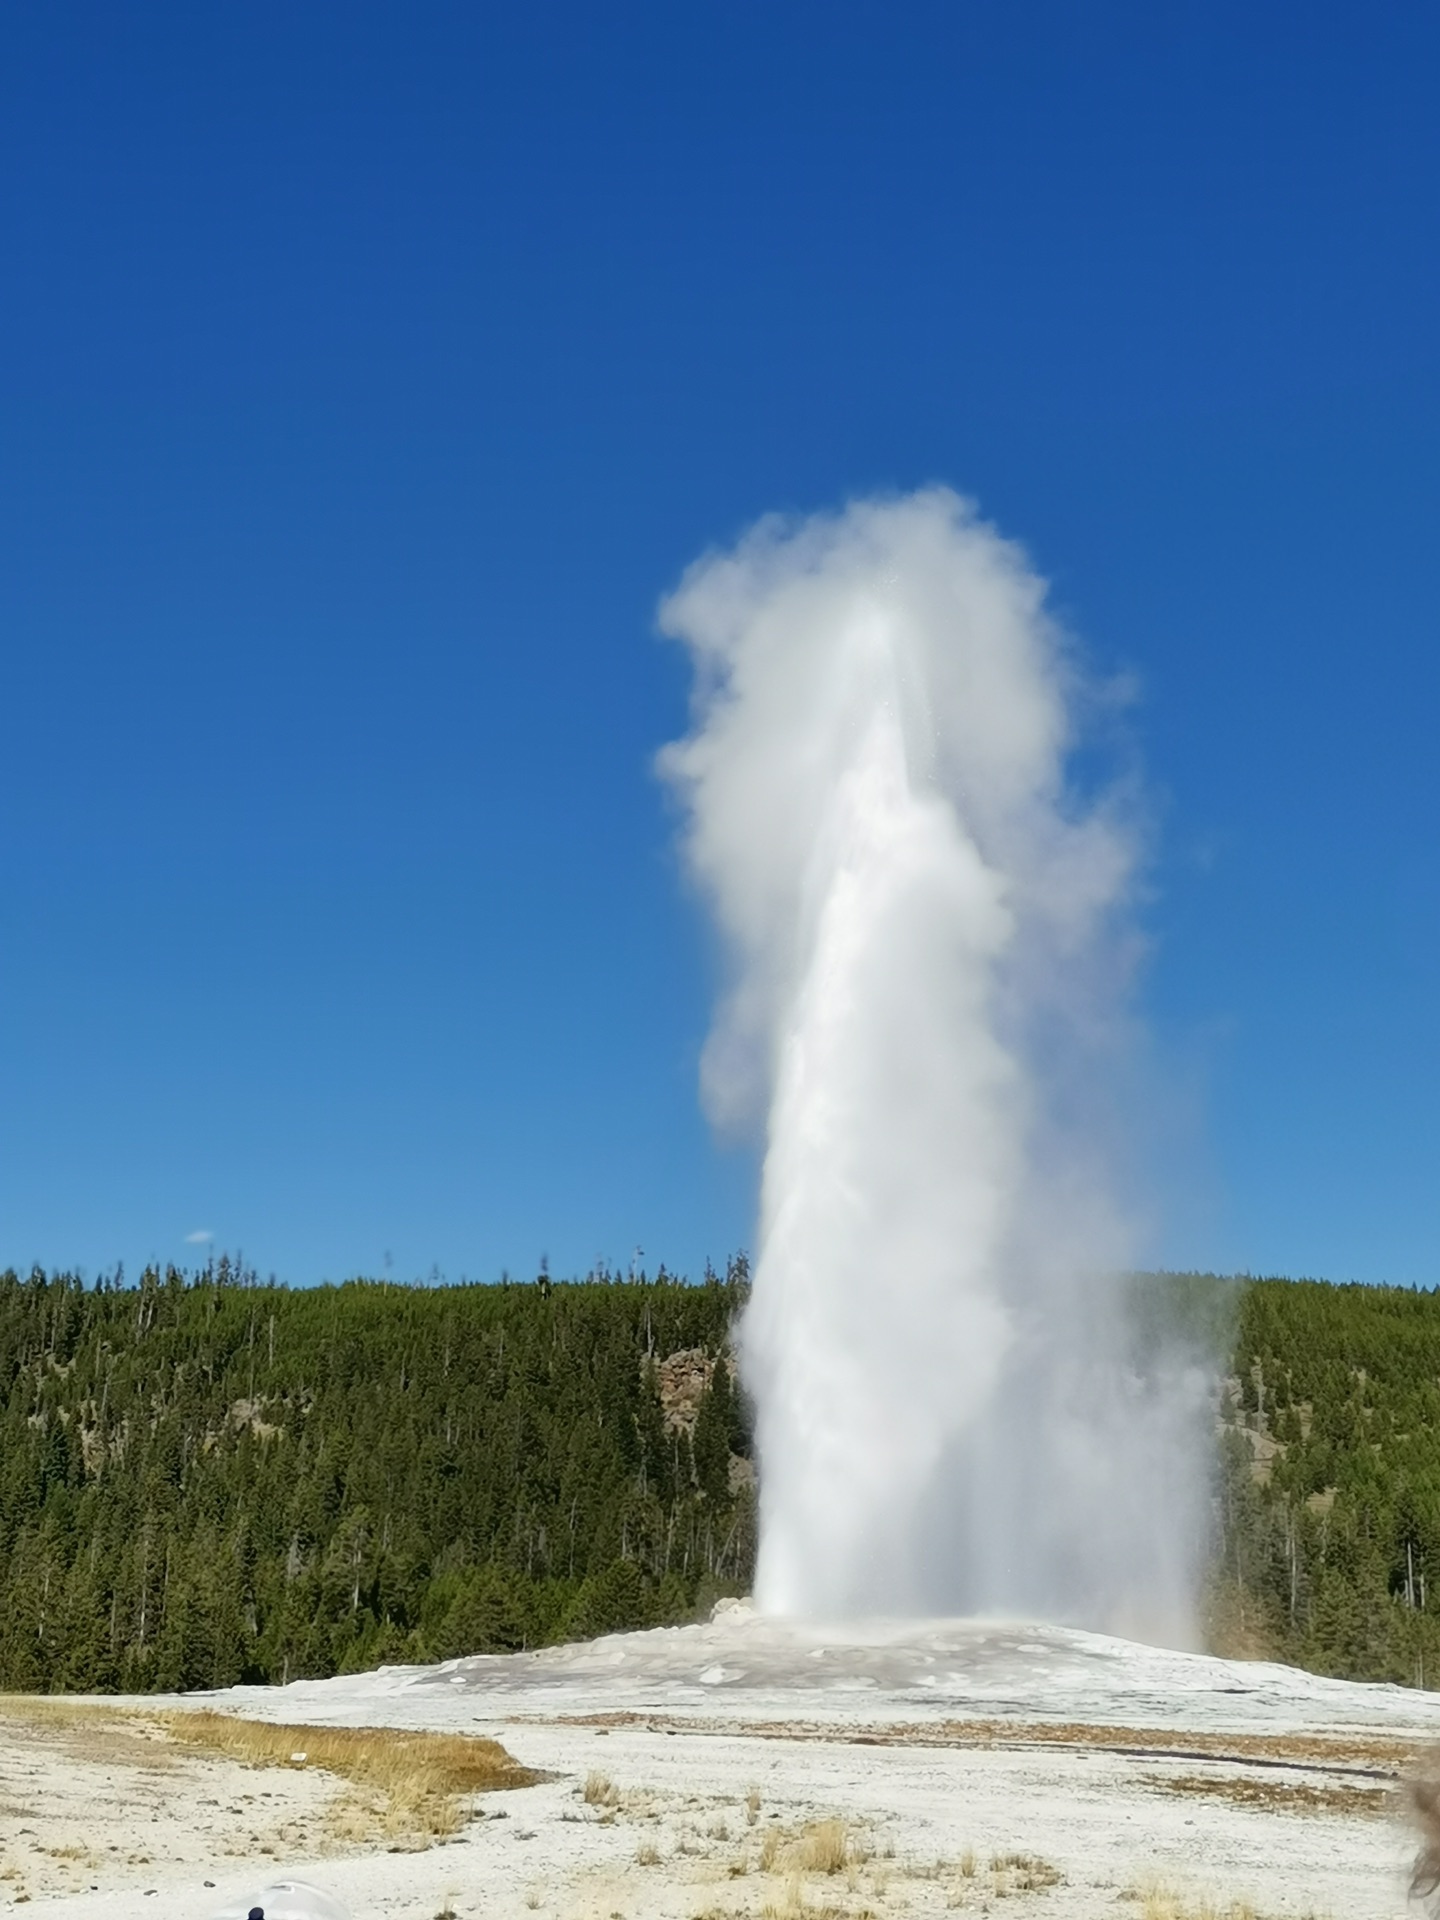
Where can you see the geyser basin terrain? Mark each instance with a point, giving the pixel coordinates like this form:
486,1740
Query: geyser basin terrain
687,1759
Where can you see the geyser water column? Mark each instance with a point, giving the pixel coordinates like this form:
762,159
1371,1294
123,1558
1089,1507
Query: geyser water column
928,946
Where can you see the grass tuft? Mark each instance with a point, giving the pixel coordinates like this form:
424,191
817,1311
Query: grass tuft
823,1847
1158,1901
1023,1873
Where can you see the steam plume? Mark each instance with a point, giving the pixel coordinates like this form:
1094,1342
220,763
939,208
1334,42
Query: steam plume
929,946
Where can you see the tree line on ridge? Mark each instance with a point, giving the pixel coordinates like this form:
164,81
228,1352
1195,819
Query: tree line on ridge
204,1480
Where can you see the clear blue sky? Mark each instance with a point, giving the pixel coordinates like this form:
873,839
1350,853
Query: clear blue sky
367,373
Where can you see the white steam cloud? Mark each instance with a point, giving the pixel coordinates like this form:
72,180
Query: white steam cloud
930,943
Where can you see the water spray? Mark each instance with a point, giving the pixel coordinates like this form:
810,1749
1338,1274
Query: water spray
930,939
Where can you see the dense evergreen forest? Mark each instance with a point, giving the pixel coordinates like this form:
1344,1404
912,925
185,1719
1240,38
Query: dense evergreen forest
207,1480
1328,1508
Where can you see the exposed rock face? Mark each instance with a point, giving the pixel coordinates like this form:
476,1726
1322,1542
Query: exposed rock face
742,1473
248,1413
682,1379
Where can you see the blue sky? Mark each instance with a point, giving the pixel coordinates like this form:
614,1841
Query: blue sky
367,374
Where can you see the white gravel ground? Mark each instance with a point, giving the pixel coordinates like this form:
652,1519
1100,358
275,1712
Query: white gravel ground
942,1747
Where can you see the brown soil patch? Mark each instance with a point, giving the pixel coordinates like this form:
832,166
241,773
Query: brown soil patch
1387,1754
1280,1796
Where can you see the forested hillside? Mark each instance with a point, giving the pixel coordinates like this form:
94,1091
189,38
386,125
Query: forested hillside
215,1481
1328,1552
206,1481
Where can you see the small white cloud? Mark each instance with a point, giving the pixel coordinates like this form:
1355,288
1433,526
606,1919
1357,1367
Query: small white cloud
200,1238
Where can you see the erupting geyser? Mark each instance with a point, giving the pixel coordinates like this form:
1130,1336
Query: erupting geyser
929,940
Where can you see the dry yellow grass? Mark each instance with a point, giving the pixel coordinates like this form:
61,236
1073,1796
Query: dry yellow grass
600,1790
372,1756
822,1847
407,1783
1162,1904
1157,1901
1023,1873
90,1730
796,1907
792,1904
51,1706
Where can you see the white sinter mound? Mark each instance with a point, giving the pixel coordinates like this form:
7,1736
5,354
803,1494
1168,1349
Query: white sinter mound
745,1667
971,1766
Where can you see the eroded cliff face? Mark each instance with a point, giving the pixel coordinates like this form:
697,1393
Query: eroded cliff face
682,1380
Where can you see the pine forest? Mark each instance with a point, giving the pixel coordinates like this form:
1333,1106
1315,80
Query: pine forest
205,1480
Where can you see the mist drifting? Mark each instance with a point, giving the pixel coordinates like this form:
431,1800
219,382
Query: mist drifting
929,940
